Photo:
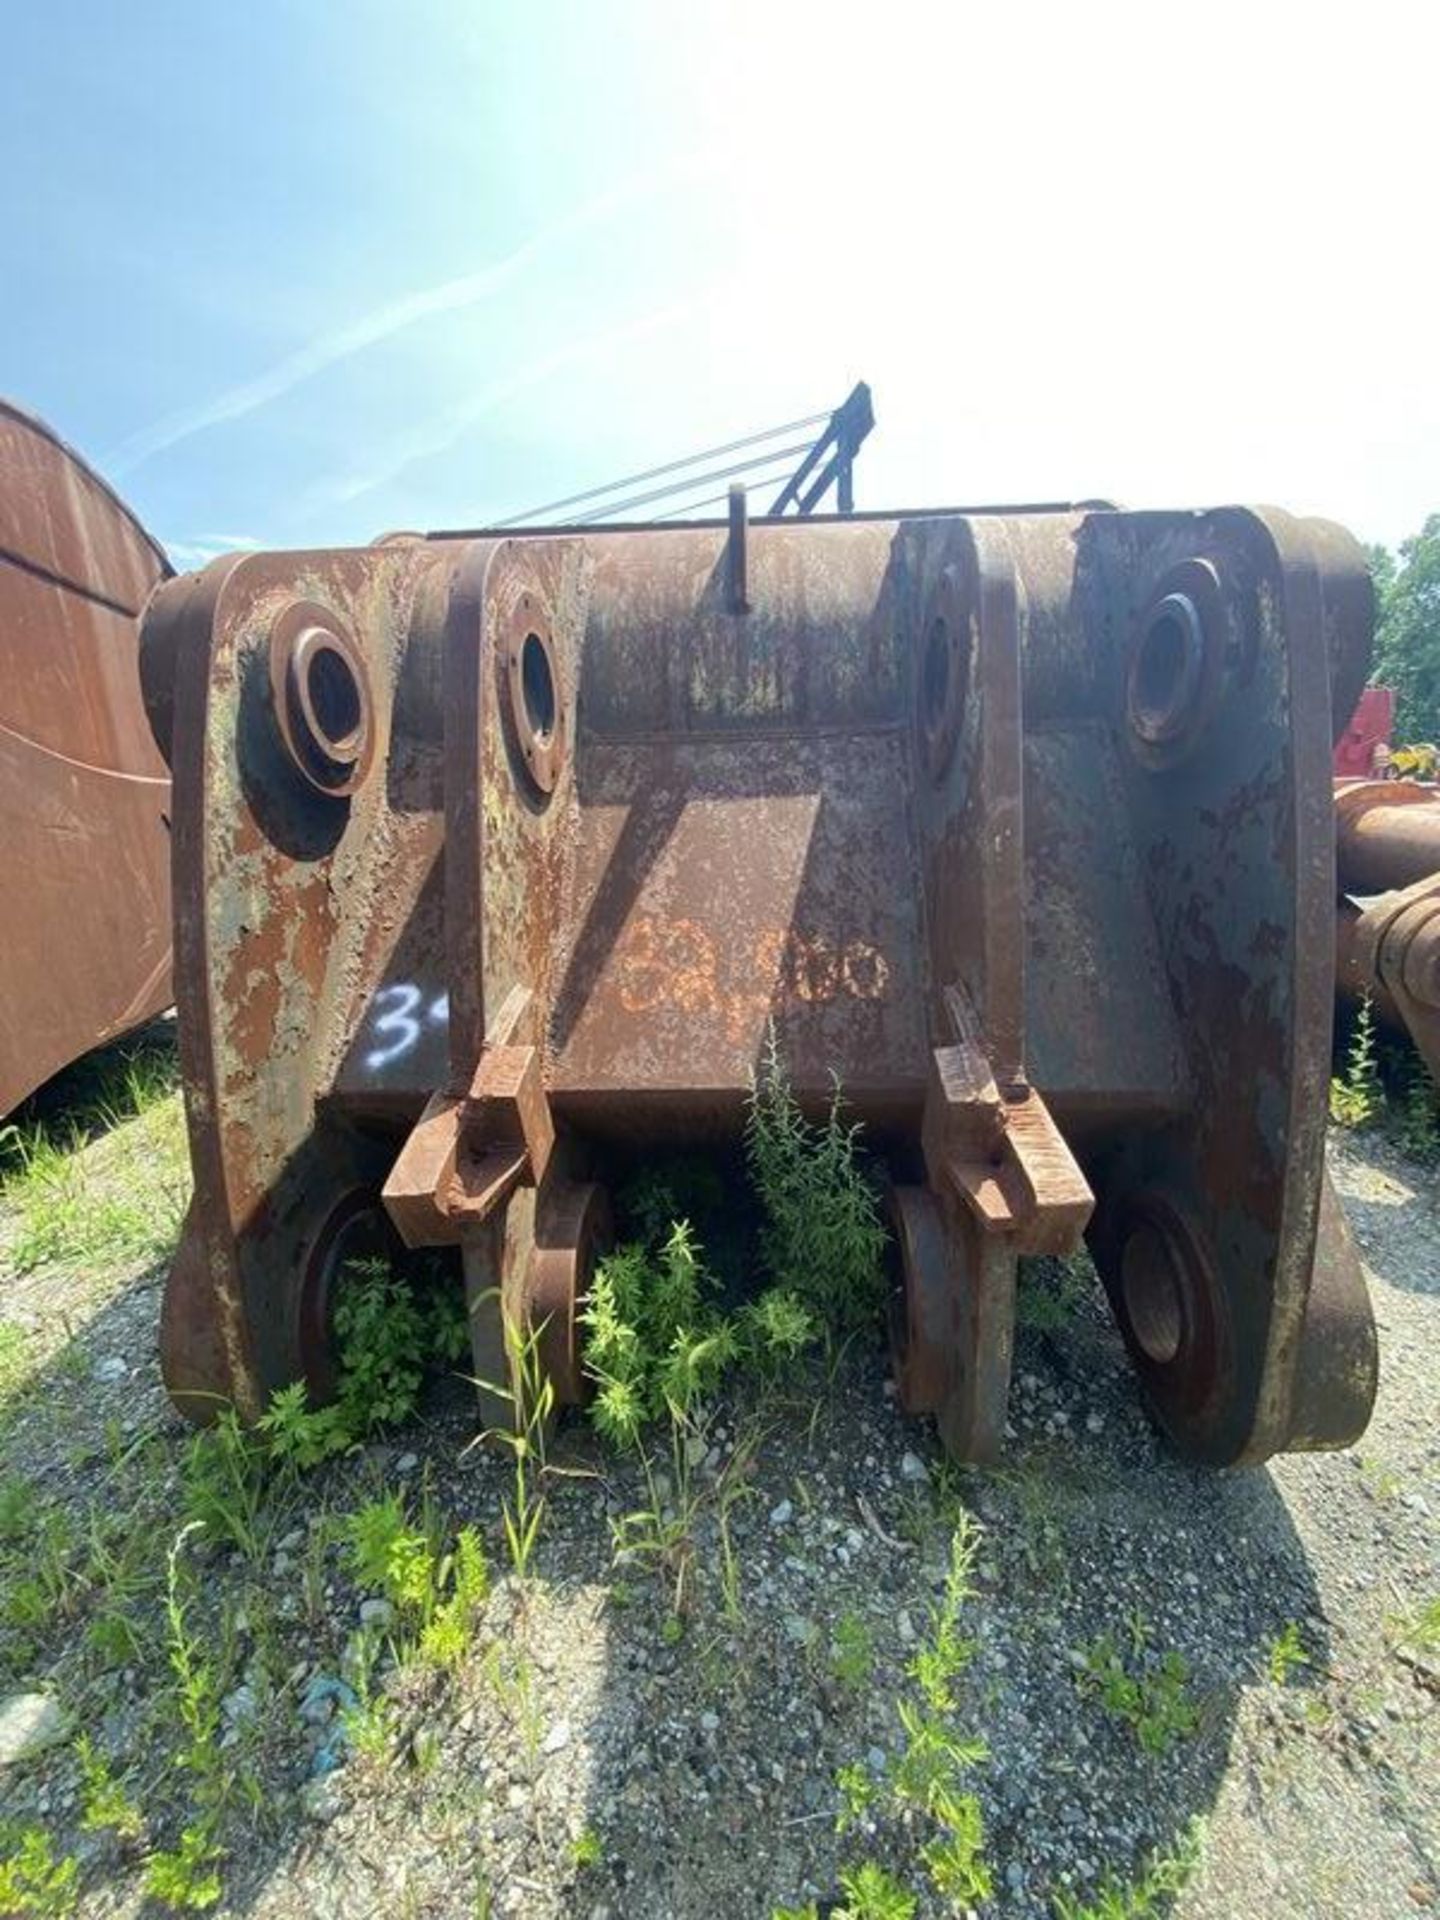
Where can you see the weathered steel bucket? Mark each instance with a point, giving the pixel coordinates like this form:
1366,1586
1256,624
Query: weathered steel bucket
491,853
84,797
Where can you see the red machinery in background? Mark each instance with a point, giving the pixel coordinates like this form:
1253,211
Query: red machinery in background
1363,749
84,794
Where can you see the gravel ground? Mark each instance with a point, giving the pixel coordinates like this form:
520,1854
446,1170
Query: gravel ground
587,1760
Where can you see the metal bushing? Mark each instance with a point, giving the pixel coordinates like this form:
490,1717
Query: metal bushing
942,681
320,688
356,1228
534,697
1171,1310
1173,677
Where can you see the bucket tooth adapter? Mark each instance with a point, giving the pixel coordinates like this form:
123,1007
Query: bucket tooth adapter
498,857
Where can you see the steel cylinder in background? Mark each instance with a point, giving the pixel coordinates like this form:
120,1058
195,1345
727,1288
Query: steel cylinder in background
1387,835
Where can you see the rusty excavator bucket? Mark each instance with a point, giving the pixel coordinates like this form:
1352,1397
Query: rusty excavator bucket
496,857
84,796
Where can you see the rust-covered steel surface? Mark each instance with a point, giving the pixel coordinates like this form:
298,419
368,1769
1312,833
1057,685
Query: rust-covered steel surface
1387,933
495,857
84,794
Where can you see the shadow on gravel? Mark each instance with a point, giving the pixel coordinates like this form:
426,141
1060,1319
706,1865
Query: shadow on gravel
592,1759
713,1760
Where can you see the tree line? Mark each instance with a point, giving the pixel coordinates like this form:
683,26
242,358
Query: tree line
1407,631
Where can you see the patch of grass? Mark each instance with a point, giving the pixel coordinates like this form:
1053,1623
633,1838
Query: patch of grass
223,1483
823,1235
14,1360
71,1204
19,1509
1150,1695
1162,1881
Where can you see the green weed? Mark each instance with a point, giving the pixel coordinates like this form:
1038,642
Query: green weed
186,1876
388,1331
1357,1097
852,1653
872,1893
1418,1124
19,1508
105,1805
1162,1880
1150,1696
1417,1632
464,1579
223,1484
1052,1291
391,1556
1287,1653
32,1880
658,1349
823,1236
586,1850
927,1779
14,1360
531,1395
946,1653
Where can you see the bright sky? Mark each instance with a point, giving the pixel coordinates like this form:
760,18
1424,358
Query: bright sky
299,274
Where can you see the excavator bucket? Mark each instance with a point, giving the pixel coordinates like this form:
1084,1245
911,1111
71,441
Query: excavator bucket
496,858
84,795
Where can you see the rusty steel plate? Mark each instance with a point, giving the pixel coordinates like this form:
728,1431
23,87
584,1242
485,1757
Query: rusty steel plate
84,794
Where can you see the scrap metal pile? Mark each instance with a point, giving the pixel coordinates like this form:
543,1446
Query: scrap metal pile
495,859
